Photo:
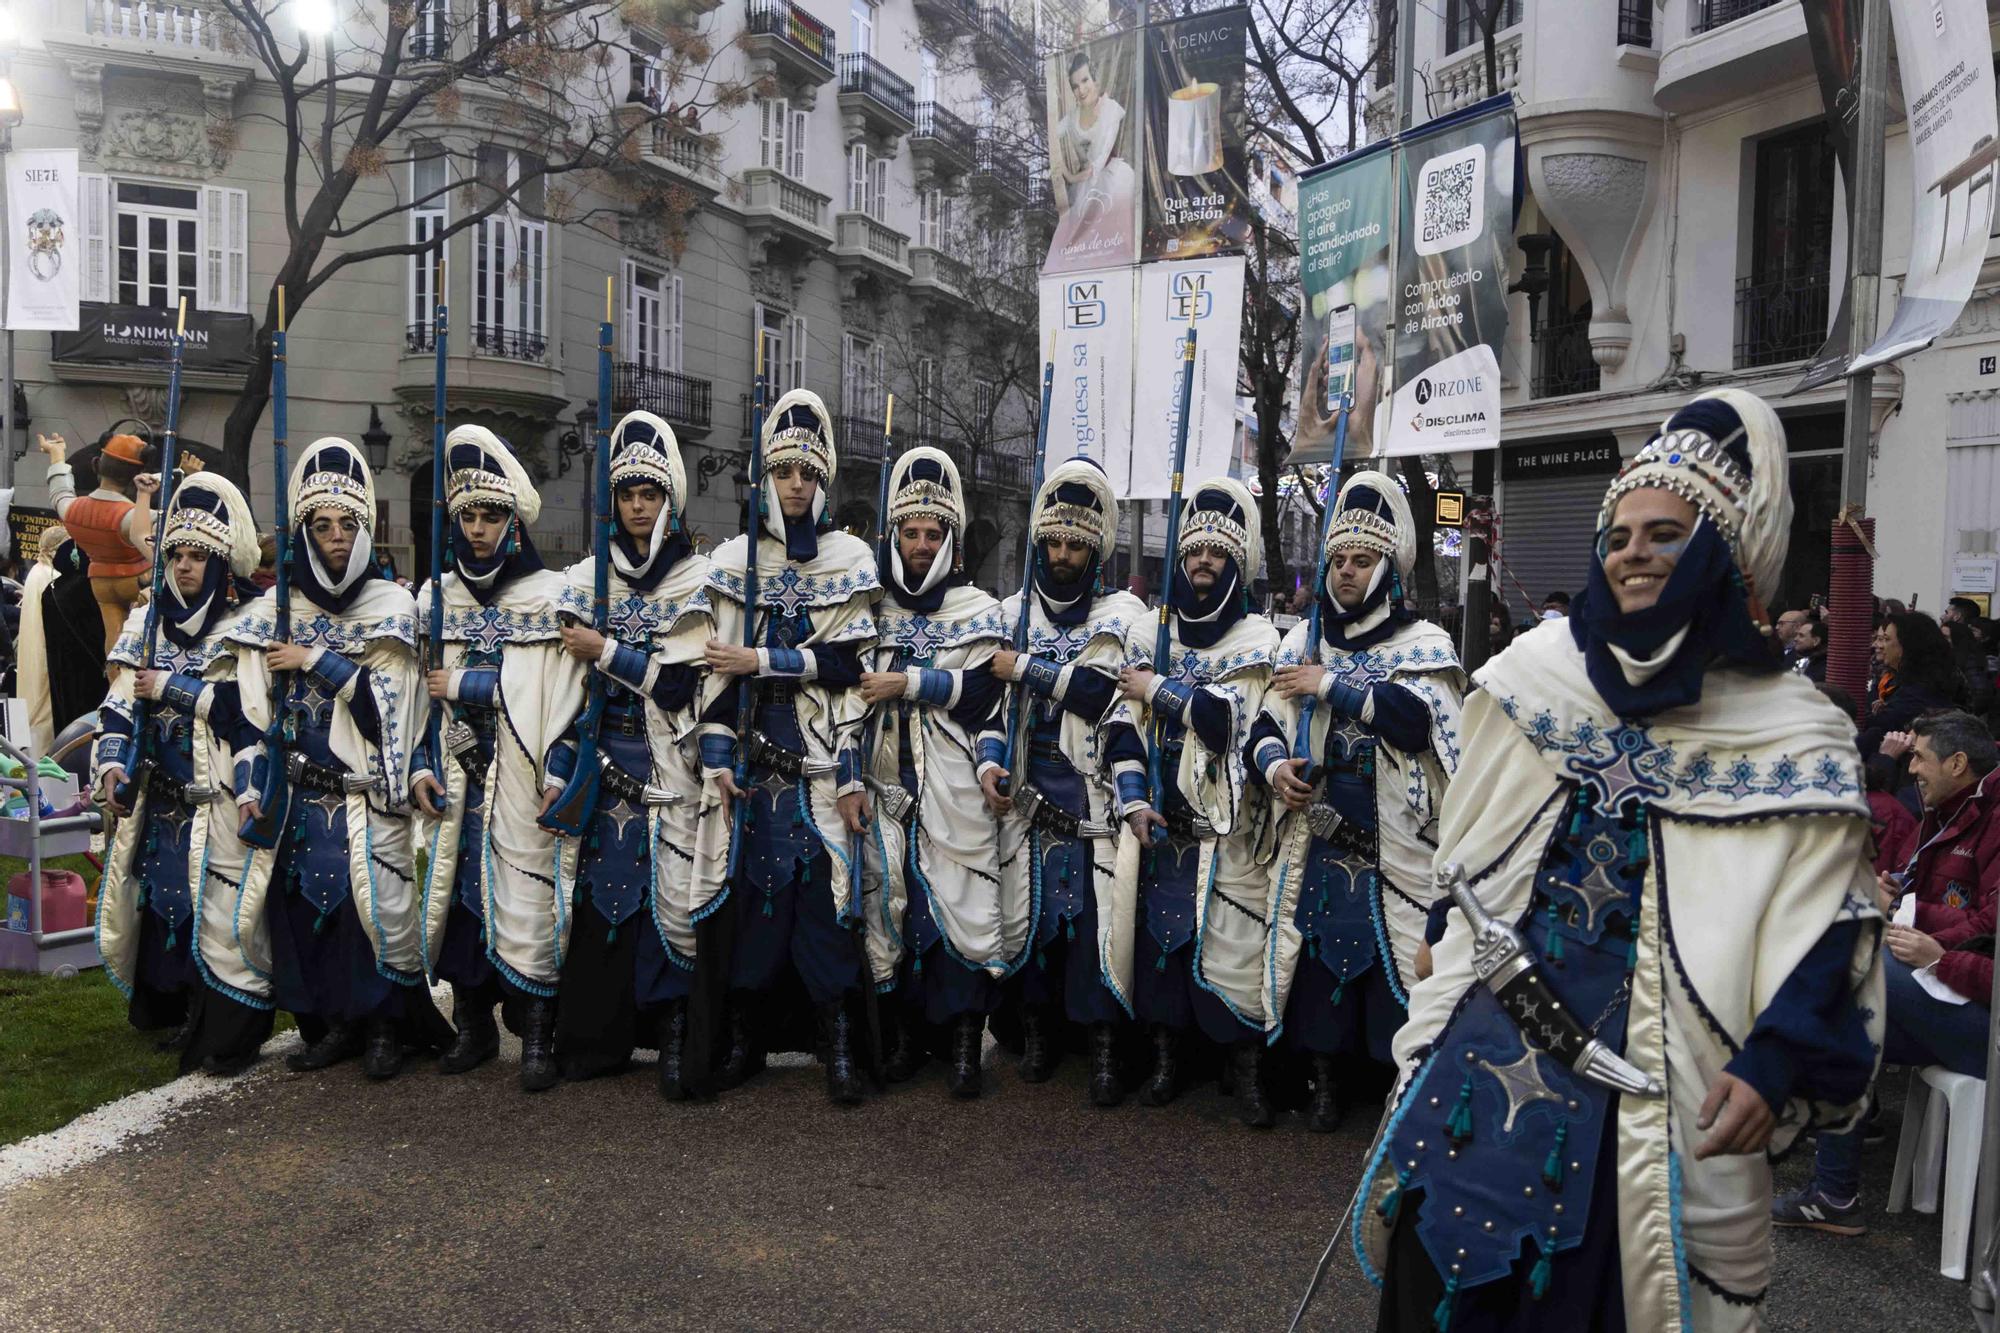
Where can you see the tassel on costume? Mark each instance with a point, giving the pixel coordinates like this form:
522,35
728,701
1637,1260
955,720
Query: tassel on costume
1069,926
1160,964
1539,1275
1632,949
1458,1125
319,924
1441,1317
1555,949
1552,1167
1340,990
1392,1202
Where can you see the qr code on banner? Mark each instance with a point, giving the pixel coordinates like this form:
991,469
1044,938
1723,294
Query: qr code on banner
1451,200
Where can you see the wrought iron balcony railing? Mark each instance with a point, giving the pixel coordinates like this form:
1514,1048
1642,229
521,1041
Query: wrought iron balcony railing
864,74
1780,319
1635,22
949,132
793,26
1714,13
681,399
1563,363
514,344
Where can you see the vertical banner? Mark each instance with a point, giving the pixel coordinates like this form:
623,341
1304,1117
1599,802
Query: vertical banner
1947,66
1197,201
1210,292
1094,100
1344,278
1455,229
42,236
1089,315
1833,31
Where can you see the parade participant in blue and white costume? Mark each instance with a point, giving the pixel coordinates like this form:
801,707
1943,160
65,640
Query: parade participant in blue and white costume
1083,801
932,855
496,894
1675,826
1202,930
1351,886
631,949
799,896
173,874
338,891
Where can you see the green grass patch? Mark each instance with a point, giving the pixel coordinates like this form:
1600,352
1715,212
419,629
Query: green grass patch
65,1048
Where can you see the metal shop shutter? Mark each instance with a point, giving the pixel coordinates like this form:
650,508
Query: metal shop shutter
1546,528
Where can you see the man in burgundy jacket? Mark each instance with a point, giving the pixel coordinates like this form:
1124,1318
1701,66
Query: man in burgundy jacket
1940,970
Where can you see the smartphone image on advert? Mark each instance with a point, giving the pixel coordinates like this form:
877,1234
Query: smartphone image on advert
1339,356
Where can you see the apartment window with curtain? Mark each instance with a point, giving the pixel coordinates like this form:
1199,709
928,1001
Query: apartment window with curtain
652,317
1461,21
934,219
648,75
148,244
861,27
930,407
511,259
430,33
430,213
781,137
863,379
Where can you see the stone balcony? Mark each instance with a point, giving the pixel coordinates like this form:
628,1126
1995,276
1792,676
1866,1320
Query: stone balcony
864,247
937,275
784,40
874,99
942,144
1732,49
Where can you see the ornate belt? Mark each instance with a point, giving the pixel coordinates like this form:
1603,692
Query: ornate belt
625,787
1339,833
1049,817
306,774
462,740
624,721
160,787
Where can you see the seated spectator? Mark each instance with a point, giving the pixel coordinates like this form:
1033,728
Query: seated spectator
1809,650
1920,676
1895,825
1939,973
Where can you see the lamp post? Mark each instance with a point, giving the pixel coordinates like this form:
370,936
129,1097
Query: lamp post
10,116
375,440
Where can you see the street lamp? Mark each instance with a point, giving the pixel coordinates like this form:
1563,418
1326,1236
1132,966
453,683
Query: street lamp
318,19
375,440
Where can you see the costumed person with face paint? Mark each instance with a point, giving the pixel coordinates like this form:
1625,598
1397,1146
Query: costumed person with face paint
168,922
1082,802
339,889
1351,885
797,902
1675,828
496,893
1202,930
631,948
932,856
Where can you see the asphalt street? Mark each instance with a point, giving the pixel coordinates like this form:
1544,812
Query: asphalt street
324,1201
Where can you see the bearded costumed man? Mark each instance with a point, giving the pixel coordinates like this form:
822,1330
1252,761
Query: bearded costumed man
1082,802
799,892
338,890
1201,891
496,893
631,951
931,857
1351,885
1673,828
169,922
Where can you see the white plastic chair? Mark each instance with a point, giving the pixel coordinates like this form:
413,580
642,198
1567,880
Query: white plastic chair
1943,1118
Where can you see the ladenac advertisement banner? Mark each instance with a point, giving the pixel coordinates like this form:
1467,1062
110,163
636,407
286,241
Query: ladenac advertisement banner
1196,200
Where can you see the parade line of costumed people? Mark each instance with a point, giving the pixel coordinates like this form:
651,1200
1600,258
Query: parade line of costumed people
1283,904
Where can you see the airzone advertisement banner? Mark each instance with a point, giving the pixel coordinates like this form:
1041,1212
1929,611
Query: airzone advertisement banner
1089,317
1454,230
1345,280
43,230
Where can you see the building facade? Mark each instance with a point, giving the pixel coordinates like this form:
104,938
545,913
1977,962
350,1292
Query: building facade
847,187
1683,228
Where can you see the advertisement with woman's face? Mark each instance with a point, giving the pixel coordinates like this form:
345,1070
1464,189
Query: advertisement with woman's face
1093,136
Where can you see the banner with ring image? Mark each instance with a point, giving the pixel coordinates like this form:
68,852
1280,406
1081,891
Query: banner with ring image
43,240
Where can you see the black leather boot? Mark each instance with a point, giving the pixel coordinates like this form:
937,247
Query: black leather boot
1165,1083
744,1060
968,1040
478,1037
177,1040
843,1080
673,1039
539,1071
1038,1057
906,1054
228,1066
343,1041
1324,1115
1105,1087
1253,1098
384,1057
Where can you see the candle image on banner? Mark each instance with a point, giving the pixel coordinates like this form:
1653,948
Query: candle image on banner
1345,283
1092,142
1196,201
43,239
1456,228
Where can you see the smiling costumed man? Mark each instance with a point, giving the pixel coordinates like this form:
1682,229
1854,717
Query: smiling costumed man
798,897
1082,802
496,893
1201,892
932,856
169,925
1676,827
339,890
1352,883
631,951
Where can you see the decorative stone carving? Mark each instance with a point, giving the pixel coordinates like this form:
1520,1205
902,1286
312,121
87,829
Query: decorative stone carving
1980,316
777,269
148,402
164,142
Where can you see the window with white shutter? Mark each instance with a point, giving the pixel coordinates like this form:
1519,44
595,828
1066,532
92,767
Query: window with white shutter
773,121
797,170
511,261
94,200
429,179
156,244
652,317
878,189
929,414
797,377
857,178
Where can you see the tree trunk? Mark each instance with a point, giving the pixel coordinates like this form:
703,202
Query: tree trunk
1423,508
1270,413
